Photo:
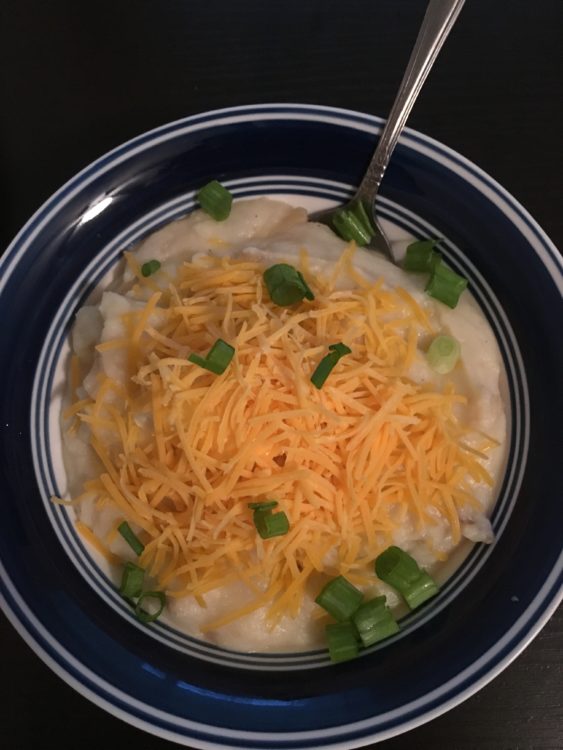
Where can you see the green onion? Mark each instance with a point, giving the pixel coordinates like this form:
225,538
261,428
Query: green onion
327,364
270,524
202,362
286,285
218,358
353,223
215,200
401,571
131,538
342,641
340,598
445,285
156,599
350,228
308,292
266,505
421,256
340,349
443,354
150,267
374,621
131,581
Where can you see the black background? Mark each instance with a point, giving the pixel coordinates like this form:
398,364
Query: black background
79,78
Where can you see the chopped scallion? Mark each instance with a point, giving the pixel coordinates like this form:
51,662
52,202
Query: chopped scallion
350,228
205,364
131,581
270,524
215,200
401,571
308,292
218,358
131,538
353,223
155,600
421,256
340,598
327,364
342,641
445,285
286,285
374,621
266,505
443,354
150,267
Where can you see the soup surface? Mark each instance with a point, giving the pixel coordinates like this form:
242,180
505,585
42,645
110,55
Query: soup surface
387,451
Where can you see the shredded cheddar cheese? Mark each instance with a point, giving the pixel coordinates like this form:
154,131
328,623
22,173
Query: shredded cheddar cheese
183,451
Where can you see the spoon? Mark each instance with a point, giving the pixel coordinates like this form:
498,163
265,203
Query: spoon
437,23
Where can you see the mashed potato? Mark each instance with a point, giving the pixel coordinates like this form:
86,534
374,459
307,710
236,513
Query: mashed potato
259,233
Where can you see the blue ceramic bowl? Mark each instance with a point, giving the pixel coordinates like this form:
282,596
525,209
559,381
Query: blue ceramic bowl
165,682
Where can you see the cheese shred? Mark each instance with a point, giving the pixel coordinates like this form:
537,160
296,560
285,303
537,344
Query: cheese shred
184,450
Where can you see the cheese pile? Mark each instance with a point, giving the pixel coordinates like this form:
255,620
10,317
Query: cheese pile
184,450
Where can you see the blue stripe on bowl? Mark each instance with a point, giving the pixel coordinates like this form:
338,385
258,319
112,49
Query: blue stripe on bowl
300,112
352,735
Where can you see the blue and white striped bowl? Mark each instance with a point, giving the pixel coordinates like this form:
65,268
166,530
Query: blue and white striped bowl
61,600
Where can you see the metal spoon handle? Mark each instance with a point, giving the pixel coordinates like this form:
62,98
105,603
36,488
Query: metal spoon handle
437,23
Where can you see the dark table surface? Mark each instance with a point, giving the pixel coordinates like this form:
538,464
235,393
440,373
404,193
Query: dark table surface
79,78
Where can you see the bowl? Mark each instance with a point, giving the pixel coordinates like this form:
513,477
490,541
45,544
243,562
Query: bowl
59,598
